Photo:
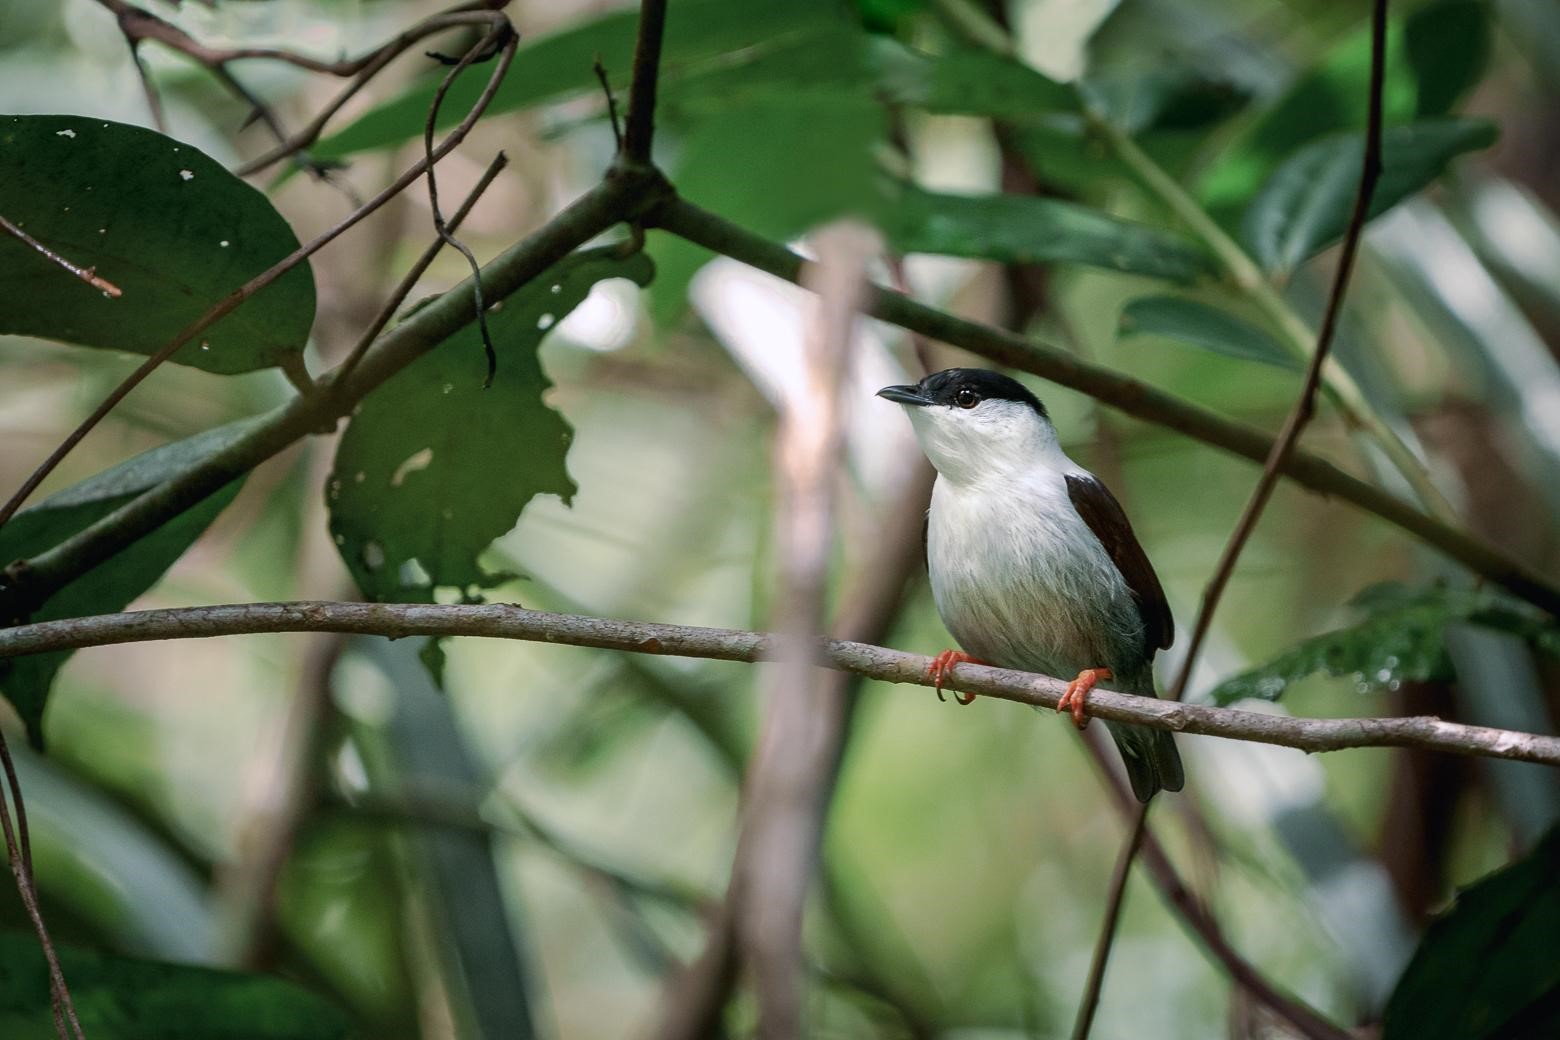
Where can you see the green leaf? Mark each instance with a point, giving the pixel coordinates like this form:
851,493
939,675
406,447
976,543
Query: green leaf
778,167
159,219
1174,98
119,998
1487,968
1403,639
698,32
1202,325
1023,229
433,467
1305,206
1432,60
967,82
111,585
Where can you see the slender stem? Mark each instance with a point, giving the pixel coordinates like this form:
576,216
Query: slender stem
1090,1001
640,128
504,621
686,220
86,274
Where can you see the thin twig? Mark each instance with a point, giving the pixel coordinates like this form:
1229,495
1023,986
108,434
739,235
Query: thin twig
501,37
503,621
409,281
1090,1001
86,274
689,221
612,109
19,854
236,298
153,99
1304,1019
1300,414
640,130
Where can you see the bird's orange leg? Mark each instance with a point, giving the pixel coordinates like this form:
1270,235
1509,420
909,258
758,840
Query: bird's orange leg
943,664
1078,690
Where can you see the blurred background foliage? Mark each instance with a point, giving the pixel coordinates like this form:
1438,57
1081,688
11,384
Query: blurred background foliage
539,842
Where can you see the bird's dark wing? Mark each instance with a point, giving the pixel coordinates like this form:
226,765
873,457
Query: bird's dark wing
1108,521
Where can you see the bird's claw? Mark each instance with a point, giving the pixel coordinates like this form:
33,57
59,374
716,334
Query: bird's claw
1078,692
942,666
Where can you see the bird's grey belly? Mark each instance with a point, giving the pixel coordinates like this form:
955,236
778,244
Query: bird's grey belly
1035,594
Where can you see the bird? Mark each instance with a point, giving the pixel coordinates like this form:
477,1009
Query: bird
1033,563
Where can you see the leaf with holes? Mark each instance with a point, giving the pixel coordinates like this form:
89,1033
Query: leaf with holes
432,467
1402,639
162,221
1202,325
1021,229
121,998
111,585
1304,207
1486,968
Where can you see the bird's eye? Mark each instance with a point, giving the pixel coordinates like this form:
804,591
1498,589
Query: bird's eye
966,398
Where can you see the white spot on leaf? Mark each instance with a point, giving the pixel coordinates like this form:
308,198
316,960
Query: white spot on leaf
67,133
413,463
545,322
186,175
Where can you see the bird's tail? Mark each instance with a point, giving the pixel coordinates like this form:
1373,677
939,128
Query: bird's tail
1153,764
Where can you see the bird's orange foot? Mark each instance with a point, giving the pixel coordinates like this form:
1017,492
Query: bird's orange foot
943,664
1078,690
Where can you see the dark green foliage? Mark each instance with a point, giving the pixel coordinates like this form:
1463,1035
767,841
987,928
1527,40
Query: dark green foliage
110,586
160,220
1432,60
1304,207
1402,639
433,467
1202,325
1025,229
561,63
1488,967
118,998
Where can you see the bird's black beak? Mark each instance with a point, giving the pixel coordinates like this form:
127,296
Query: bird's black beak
905,395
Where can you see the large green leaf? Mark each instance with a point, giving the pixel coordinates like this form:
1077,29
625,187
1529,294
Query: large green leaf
159,219
1433,59
966,82
698,32
1202,325
119,998
1305,205
433,467
1488,968
1402,639
1023,229
111,585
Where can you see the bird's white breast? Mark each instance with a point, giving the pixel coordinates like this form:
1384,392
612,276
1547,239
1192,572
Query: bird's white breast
1022,582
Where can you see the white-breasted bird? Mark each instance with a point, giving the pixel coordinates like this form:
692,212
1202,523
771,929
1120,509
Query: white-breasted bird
1033,563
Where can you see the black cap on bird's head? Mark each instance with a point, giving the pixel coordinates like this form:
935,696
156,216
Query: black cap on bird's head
964,388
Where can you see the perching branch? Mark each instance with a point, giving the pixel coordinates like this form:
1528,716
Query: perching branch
502,621
686,220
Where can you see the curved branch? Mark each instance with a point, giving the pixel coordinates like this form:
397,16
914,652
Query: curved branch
503,621
686,220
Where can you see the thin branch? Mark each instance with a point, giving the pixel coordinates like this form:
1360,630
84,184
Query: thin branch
1294,424
153,99
612,109
686,220
1184,903
409,280
29,581
1090,1001
86,274
641,97
784,804
502,621
501,37
18,849
244,292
